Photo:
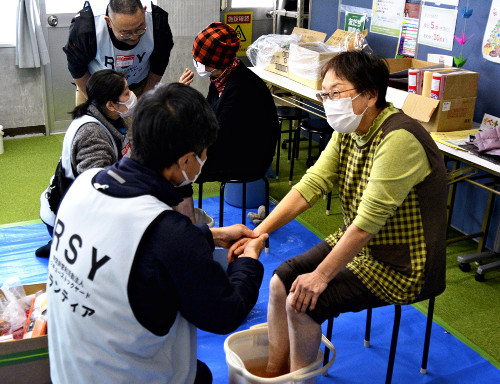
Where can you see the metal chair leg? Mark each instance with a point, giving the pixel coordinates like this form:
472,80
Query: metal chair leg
221,204
368,327
328,203
295,149
278,151
394,342
329,329
427,341
266,183
309,152
244,204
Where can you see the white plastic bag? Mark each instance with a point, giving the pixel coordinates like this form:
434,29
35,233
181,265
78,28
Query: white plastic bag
262,50
13,306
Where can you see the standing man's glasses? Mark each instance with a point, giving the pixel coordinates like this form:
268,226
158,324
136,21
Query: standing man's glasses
130,35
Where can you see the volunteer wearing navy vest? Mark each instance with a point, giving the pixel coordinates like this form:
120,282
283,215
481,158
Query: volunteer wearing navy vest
97,136
392,189
130,280
127,38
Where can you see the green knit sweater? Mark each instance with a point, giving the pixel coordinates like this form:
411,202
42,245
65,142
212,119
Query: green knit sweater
400,163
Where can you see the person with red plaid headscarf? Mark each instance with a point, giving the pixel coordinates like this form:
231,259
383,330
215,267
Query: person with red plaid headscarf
243,105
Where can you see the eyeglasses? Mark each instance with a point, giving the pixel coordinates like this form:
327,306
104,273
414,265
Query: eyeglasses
322,96
130,35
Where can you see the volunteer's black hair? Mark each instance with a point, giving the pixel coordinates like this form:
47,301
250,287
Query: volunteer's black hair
170,121
103,86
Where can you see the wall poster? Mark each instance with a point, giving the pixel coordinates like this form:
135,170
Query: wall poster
437,26
387,16
491,39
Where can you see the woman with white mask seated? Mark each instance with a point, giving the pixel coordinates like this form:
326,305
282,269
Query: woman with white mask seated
96,138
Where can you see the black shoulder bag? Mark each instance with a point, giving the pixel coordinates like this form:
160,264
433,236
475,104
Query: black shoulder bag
58,188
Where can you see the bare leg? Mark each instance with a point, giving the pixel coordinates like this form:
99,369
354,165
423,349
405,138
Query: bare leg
279,345
305,338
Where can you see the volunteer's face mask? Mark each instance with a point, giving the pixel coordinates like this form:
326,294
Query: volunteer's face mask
340,115
187,180
200,69
130,104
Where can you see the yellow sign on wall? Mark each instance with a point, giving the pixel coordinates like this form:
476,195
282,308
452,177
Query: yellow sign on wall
242,24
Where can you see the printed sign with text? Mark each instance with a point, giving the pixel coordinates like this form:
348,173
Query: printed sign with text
241,22
437,26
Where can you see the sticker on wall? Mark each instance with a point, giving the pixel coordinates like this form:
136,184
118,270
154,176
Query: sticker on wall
242,24
491,40
440,59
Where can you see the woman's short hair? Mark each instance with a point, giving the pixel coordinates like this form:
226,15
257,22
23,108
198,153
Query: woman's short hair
170,121
103,86
367,72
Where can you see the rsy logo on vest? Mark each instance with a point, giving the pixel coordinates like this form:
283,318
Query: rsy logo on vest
75,241
122,61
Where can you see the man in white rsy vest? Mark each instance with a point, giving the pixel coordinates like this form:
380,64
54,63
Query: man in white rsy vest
127,38
129,278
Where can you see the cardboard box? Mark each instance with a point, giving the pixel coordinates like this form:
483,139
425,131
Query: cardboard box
456,109
397,65
279,61
306,61
27,360
303,62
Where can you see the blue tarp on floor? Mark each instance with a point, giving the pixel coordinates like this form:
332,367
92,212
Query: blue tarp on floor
450,361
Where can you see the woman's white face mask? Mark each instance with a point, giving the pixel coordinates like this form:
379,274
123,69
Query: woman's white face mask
201,69
130,104
341,116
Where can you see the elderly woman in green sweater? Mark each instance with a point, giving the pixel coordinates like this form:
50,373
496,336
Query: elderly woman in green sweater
392,188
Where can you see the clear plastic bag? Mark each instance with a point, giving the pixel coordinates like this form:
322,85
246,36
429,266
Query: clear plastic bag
262,50
13,306
357,42
305,58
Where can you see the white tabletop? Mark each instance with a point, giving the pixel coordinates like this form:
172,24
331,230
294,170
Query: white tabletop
287,84
470,158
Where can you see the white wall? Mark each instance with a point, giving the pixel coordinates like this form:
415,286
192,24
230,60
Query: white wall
21,103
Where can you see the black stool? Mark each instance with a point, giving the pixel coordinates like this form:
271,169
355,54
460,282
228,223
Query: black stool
290,114
321,128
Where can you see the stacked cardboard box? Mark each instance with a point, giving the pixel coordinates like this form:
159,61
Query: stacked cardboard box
453,112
